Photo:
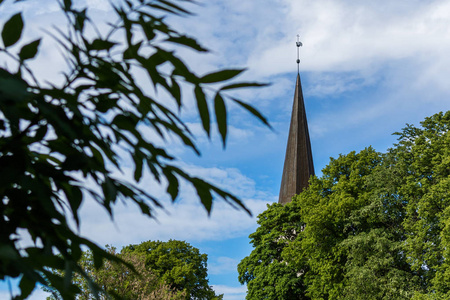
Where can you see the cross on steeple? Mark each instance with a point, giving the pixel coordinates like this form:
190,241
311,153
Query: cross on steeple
299,44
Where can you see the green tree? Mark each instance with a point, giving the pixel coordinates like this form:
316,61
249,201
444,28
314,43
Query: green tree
179,265
265,270
116,279
60,144
423,162
353,235
373,226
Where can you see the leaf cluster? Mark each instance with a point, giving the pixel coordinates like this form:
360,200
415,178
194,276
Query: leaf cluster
177,264
63,144
265,270
119,281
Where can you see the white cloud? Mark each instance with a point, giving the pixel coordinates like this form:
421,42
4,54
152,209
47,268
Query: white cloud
222,265
37,294
231,293
343,35
184,220
103,5
327,84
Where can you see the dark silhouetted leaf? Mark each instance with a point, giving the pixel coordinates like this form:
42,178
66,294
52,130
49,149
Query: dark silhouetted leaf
12,87
187,41
99,44
203,192
202,106
172,186
220,76
174,6
180,67
12,30
76,198
243,85
67,4
26,286
80,18
176,92
132,51
253,111
165,8
221,117
139,163
30,50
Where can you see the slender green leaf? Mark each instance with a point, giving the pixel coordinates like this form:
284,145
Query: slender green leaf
139,163
187,41
176,92
109,193
203,192
12,30
253,111
151,166
203,110
220,76
99,44
76,197
172,186
243,85
165,8
221,117
174,6
180,67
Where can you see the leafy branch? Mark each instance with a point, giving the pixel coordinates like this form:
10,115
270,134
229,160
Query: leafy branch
55,139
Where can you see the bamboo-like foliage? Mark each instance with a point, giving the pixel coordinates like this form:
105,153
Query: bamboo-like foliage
60,144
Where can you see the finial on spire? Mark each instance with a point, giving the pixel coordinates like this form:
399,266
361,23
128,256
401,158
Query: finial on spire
299,44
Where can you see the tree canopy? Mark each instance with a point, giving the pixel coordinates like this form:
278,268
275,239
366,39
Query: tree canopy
117,280
172,270
373,226
61,144
179,265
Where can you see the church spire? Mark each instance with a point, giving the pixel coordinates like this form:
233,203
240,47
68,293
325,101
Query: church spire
298,163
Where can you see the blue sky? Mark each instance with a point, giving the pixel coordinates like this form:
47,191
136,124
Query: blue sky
367,69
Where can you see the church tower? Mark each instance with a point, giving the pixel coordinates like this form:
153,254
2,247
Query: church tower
298,163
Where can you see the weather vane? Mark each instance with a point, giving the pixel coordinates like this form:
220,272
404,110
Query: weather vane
299,44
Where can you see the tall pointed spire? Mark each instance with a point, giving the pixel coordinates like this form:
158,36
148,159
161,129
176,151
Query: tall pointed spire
298,163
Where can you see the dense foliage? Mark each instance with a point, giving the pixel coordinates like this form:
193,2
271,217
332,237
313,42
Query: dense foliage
172,270
61,144
374,226
179,265
265,270
116,279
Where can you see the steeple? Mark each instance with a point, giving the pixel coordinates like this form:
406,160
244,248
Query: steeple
298,163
